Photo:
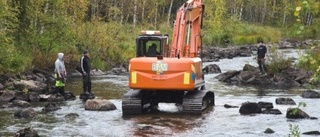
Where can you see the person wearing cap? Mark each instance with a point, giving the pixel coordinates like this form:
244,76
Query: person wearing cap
60,74
85,68
261,56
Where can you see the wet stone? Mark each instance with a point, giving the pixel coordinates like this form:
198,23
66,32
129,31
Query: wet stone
7,96
268,131
25,113
310,94
27,132
230,106
72,115
69,96
285,101
265,104
34,97
271,111
312,133
99,105
296,113
250,108
21,103
22,96
146,128
50,107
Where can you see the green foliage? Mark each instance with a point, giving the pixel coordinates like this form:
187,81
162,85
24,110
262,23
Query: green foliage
295,110
35,31
239,33
310,61
277,61
12,61
112,43
294,131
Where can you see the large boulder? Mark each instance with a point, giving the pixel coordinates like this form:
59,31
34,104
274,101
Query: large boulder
288,78
250,108
7,96
27,132
248,67
212,68
50,107
26,113
266,105
296,113
20,95
310,94
285,101
1,86
225,77
20,103
34,97
31,85
271,111
99,105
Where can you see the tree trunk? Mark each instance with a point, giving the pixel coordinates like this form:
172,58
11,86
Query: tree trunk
156,15
264,12
143,10
284,19
122,12
240,12
135,13
169,12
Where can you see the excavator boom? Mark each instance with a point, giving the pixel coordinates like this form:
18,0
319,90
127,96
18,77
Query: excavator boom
186,41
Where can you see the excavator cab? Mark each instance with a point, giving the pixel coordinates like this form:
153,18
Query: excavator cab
152,44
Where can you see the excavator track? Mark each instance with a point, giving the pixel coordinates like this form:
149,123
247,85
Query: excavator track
134,103
196,101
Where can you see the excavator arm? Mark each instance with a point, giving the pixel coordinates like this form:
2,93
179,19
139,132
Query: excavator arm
186,38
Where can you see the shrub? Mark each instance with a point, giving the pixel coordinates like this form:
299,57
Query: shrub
310,61
277,61
13,61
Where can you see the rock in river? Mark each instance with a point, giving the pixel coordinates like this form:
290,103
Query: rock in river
99,105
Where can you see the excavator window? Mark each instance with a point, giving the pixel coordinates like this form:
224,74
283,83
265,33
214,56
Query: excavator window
152,50
149,47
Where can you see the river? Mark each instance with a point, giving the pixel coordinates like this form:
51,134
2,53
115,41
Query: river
218,121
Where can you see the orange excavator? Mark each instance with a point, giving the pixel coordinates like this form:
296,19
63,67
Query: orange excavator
163,73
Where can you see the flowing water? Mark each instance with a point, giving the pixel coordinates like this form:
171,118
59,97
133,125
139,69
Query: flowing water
216,122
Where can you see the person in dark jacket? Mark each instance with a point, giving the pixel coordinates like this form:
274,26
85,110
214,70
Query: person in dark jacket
85,68
261,56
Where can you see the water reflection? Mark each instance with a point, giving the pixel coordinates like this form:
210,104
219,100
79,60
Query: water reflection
107,87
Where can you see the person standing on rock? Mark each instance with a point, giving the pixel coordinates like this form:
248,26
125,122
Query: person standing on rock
261,56
85,68
60,74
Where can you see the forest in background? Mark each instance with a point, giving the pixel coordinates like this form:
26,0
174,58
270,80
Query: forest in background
32,32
